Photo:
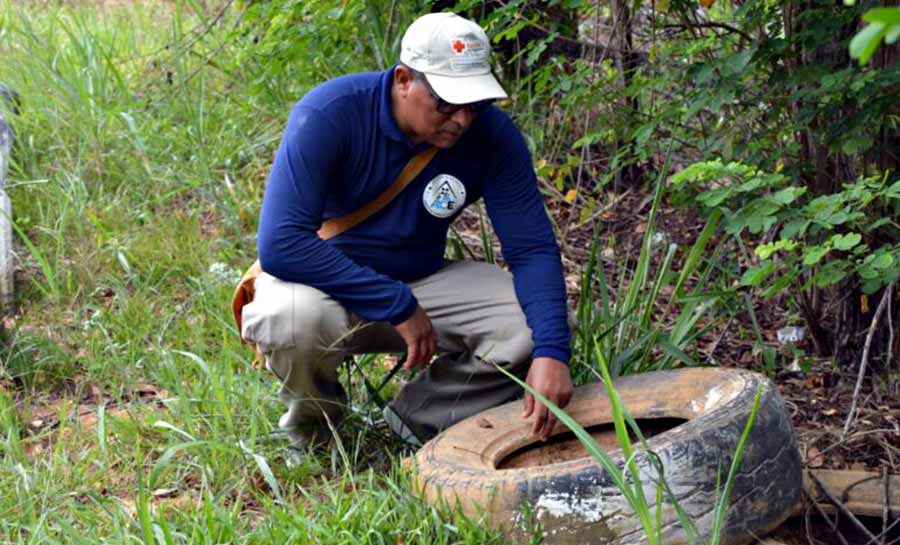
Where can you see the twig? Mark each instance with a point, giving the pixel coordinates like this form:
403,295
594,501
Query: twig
824,515
606,208
885,503
710,24
883,535
890,313
888,293
715,344
587,120
843,509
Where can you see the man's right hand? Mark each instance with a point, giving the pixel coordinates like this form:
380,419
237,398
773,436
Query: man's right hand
421,342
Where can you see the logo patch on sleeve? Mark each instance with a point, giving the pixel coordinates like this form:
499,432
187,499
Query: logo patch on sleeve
444,195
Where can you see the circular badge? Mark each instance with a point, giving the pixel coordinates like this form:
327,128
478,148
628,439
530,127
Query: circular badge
444,195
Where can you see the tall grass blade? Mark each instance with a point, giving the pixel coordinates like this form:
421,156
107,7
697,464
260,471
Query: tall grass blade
266,471
642,510
52,289
721,509
634,495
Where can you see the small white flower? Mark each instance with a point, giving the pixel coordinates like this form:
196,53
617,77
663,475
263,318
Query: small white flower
224,273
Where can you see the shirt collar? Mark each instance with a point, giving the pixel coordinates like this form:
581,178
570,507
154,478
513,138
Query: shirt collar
386,113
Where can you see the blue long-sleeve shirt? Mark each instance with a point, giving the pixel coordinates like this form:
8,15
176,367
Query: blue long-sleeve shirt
341,148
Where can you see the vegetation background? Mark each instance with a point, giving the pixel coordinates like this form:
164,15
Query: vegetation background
143,137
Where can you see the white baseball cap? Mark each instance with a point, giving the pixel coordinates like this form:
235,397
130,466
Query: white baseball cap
454,54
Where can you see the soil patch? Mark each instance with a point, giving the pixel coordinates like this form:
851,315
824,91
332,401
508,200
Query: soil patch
566,447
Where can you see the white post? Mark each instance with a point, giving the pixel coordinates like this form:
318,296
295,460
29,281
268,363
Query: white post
6,264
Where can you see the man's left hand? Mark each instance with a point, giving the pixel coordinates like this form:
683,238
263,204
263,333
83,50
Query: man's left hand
549,377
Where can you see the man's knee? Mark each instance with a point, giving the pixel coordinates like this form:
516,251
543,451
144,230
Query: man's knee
512,344
286,315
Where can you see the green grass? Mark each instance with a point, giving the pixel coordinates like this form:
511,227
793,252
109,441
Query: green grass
137,175
128,409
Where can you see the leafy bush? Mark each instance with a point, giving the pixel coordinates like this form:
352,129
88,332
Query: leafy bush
821,240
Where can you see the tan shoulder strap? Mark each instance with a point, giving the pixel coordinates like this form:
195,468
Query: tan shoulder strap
245,290
336,226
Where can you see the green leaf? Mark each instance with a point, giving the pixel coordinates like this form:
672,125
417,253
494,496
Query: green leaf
644,133
539,48
764,251
856,144
863,45
893,192
755,275
838,218
587,140
676,352
779,285
830,274
883,261
892,35
814,254
868,273
886,16
794,228
788,194
511,32
846,242
871,286
715,197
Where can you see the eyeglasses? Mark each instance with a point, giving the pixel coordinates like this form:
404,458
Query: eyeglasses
448,108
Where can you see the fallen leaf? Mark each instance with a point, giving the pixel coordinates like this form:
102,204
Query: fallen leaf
829,412
389,362
147,390
570,196
164,492
129,506
814,457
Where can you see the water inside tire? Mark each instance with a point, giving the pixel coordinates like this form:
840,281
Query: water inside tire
565,446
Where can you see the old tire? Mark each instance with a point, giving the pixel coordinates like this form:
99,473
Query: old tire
576,501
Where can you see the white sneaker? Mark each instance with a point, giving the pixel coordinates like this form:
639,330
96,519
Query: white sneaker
399,427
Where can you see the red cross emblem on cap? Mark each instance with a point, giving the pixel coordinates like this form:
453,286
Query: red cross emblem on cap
458,45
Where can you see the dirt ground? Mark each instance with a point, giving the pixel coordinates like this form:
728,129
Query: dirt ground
818,395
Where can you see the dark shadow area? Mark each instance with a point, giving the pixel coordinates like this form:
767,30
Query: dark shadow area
565,447
839,529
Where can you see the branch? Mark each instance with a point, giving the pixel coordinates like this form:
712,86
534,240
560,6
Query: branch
885,297
843,509
710,24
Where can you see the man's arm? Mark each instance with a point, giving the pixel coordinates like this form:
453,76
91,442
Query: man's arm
307,162
517,213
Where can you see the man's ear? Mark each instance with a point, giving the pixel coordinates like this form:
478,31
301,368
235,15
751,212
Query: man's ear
402,78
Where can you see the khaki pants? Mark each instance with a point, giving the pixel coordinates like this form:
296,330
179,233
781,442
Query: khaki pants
304,335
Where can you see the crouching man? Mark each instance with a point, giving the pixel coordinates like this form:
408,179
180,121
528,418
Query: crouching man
371,171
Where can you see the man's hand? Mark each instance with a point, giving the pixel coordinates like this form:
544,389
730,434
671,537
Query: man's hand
551,378
420,339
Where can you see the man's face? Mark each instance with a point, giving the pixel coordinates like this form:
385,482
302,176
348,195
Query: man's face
419,117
